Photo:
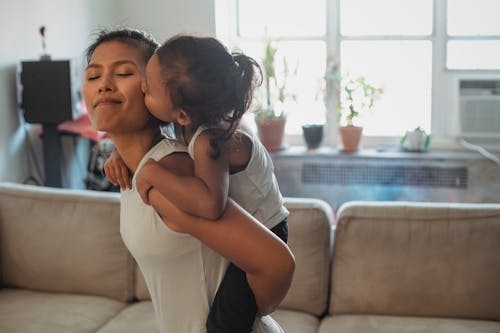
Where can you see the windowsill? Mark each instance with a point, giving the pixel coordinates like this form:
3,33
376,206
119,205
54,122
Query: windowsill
378,153
392,143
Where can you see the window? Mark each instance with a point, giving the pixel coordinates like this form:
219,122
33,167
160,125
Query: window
298,30
389,43
414,49
473,34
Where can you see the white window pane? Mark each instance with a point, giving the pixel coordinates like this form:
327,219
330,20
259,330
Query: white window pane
385,17
474,54
470,18
404,70
308,59
282,18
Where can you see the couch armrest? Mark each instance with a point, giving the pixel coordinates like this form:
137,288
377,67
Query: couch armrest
310,239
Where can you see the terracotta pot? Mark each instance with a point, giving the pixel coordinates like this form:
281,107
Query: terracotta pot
351,136
271,132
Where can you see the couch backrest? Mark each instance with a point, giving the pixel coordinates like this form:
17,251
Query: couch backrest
310,238
59,240
417,259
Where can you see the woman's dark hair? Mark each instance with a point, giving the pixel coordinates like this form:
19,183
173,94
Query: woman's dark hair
136,38
214,87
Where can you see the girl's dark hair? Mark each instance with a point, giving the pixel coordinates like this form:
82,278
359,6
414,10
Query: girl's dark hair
136,38
214,87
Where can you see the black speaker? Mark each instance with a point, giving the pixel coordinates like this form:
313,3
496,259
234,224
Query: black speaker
50,91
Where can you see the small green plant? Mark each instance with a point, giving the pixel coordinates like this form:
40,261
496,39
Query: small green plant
330,83
356,96
275,88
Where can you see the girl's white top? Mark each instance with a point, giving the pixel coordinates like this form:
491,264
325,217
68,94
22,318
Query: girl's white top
255,188
181,273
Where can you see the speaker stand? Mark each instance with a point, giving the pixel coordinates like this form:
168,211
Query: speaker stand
52,155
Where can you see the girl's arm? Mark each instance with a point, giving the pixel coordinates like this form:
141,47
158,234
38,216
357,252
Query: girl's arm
116,171
204,194
240,238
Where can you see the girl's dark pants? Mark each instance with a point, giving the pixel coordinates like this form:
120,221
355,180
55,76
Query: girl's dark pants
234,308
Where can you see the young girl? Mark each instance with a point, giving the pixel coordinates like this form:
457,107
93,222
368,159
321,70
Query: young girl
196,84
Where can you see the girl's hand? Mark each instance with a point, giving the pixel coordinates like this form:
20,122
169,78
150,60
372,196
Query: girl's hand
116,171
143,186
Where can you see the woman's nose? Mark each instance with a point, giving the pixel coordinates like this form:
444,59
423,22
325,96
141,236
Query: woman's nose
103,89
106,85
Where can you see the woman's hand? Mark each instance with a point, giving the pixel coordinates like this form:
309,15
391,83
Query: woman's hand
116,171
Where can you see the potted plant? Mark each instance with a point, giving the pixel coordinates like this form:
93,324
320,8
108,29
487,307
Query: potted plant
271,117
356,96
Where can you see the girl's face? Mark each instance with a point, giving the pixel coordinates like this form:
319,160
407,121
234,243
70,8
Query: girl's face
157,96
112,89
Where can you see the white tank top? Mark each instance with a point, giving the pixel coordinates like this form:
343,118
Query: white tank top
181,273
255,188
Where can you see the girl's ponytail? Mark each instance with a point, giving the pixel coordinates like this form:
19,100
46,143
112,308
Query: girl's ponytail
248,76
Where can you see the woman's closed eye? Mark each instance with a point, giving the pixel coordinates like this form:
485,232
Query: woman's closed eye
92,77
124,74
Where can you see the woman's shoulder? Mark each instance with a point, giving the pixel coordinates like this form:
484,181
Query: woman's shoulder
165,147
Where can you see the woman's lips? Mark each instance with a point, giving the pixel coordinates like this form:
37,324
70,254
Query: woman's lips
107,101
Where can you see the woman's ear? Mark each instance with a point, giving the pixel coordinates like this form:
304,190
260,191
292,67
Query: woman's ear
183,118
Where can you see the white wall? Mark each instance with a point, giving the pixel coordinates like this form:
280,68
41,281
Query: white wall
163,18
70,24
67,25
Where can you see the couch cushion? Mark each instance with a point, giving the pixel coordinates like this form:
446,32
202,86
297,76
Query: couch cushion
310,235
296,322
33,312
422,259
137,317
387,324
63,241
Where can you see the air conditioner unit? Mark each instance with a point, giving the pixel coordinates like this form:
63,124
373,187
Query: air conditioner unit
479,107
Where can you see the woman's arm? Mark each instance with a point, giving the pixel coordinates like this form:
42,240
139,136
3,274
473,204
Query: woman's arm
237,236
241,239
204,194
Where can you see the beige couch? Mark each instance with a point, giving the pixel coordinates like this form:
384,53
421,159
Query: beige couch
64,267
397,267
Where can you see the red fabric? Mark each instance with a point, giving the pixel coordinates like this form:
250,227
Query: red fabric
83,127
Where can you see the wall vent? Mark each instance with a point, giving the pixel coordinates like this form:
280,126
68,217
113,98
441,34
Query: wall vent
399,175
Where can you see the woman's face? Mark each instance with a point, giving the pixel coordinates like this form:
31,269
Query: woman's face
112,89
157,96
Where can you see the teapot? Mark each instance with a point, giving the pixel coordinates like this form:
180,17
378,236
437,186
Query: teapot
416,140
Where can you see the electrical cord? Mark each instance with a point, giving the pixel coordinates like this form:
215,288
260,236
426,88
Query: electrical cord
480,150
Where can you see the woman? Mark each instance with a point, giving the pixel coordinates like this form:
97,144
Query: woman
174,250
